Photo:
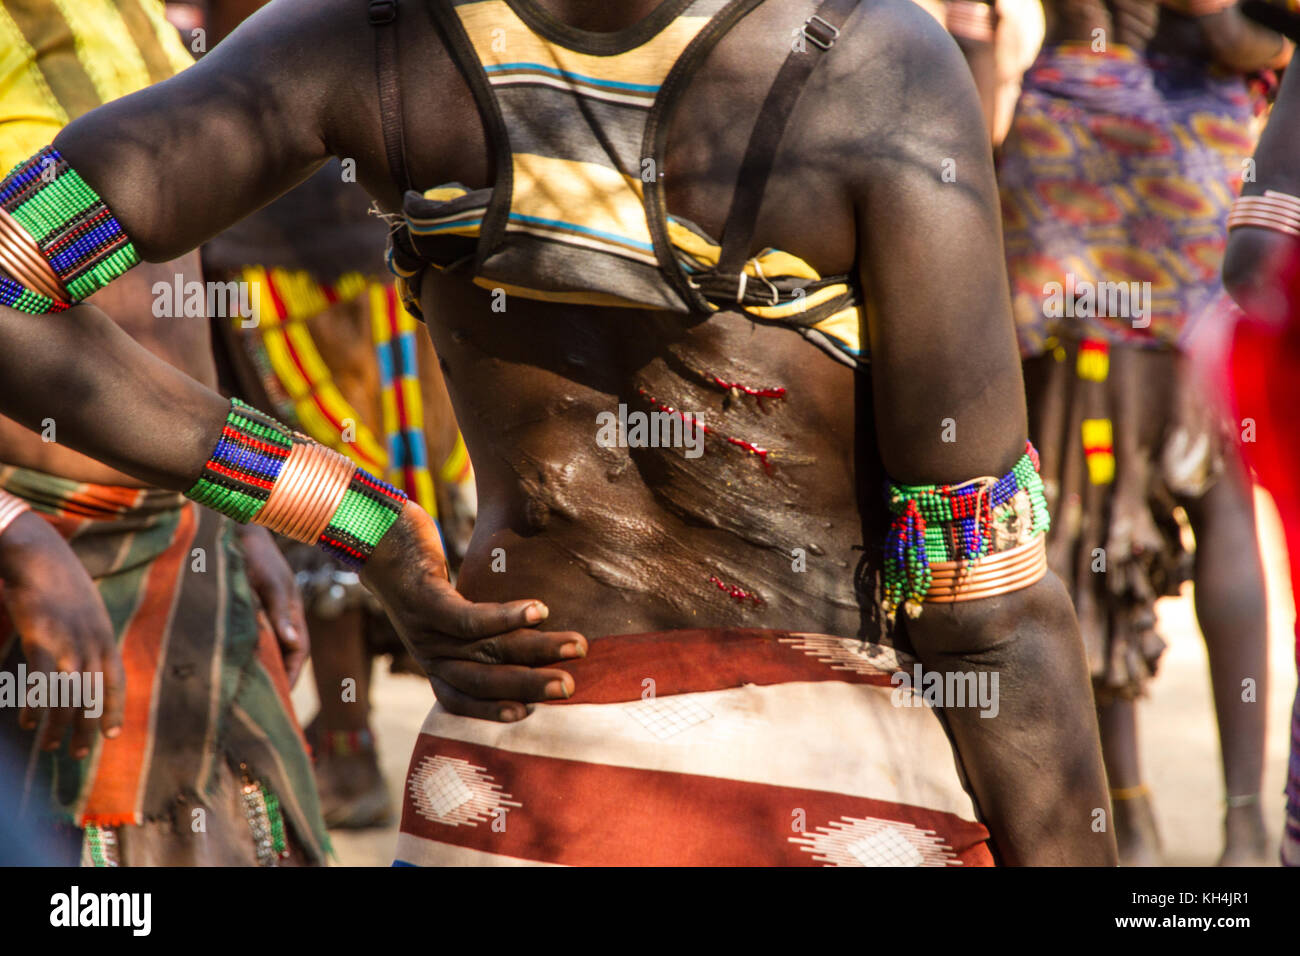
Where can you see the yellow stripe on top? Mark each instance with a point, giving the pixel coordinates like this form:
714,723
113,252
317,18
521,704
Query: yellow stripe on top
575,230
501,38
548,192
62,58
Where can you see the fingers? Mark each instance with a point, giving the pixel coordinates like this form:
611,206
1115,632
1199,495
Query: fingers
61,718
462,705
38,661
526,648
473,621
290,625
83,734
294,649
56,726
497,682
82,721
49,721
273,582
114,694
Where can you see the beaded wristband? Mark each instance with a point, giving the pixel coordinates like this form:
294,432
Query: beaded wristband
11,507
970,20
941,545
262,472
1274,210
58,242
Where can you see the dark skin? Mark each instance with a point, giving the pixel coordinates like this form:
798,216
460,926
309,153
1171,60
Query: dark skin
1230,600
1255,257
616,542
1229,580
184,344
1226,37
63,626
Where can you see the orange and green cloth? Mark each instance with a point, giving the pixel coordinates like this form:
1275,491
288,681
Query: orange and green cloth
205,681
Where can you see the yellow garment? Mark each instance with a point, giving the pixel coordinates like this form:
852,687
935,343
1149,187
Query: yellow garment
62,58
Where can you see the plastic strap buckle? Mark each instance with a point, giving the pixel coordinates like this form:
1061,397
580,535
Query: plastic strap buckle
382,11
820,32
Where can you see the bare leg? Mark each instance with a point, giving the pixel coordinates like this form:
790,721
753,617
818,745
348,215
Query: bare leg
352,789
1231,610
1135,822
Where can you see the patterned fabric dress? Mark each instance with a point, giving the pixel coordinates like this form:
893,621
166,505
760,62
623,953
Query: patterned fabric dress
717,747
1116,179
1120,169
208,722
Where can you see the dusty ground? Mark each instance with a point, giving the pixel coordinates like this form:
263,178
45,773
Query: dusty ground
1179,741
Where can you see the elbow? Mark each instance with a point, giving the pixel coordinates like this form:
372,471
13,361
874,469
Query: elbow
1257,270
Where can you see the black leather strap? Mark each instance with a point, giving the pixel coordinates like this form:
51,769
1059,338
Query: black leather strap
383,17
820,32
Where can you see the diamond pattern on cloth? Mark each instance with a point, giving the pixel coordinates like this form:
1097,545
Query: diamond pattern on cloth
455,792
666,717
851,841
847,653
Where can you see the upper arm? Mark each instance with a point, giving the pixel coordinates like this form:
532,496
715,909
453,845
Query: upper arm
947,387
1240,43
1256,259
182,160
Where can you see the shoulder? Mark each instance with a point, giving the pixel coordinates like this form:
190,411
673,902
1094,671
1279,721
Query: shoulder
898,54
901,89
287,35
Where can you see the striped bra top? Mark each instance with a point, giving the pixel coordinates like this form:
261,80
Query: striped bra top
577,210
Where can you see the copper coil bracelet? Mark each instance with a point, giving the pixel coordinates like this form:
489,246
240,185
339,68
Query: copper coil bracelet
1274,210
990,576
23,259
970,20
307,493
11,507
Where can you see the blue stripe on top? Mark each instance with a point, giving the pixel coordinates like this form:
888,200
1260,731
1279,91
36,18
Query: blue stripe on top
565,74
574,227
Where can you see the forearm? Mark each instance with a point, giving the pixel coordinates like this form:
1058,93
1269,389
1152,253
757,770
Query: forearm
1035,768
1240,44
107,396
117,402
